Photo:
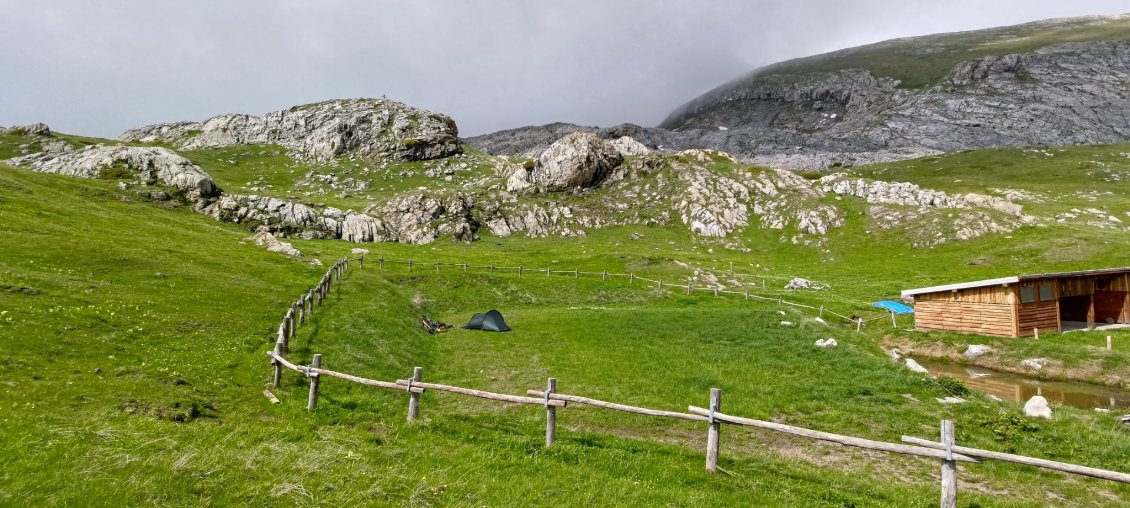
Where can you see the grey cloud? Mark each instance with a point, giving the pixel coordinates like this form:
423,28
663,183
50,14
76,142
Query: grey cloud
101,67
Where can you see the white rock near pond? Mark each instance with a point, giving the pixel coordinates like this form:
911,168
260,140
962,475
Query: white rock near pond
915,367
1037,407
976,350
1034,363
827,343
950,400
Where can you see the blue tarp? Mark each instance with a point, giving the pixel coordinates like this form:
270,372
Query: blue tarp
895,307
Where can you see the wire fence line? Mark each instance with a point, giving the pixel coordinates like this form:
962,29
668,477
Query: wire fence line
688,288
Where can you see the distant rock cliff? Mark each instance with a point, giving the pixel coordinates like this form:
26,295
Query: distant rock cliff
374,128
1011,86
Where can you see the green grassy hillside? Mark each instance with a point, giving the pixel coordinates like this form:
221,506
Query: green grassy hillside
132,338
921,61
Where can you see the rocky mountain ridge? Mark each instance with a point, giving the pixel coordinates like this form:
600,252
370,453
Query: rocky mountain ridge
374,128
582,182
1043,83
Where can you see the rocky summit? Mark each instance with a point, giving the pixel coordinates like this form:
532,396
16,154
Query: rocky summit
1056,82
373,128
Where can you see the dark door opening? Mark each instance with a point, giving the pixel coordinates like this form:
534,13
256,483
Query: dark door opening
1074,308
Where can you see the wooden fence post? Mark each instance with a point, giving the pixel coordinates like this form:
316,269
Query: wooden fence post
659,284
1036,332
631,277
409,265
821,311
550,413
361,262
520,269
604,275
688,288
858,323
464,267
894,323
1109,344
492,268
731,267
281,340
712,433
414,398
312,400
747,294
715,291
780,301
382,263
949,468
277,380
576,273
437,266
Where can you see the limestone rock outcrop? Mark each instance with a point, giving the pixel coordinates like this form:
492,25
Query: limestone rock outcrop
35,129
149,164
375,128
578,160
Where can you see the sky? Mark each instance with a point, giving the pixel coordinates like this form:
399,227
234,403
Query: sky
99,68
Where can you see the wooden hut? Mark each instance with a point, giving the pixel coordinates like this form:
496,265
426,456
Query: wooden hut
1017,306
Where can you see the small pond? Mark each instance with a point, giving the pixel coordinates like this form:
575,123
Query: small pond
1018,388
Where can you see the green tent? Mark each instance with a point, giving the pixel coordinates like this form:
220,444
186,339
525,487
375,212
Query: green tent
491,322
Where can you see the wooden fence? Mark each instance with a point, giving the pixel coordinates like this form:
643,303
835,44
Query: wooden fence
944,450
632,278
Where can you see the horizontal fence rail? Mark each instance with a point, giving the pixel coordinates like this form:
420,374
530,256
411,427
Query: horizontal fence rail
834,438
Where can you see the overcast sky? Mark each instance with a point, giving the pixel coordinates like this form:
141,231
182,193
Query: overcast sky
98,68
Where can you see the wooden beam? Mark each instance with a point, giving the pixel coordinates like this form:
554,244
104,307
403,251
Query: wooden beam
1028,461
553,401
835,438
619,407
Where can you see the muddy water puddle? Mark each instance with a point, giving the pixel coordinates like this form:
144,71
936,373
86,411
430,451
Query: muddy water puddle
1017,388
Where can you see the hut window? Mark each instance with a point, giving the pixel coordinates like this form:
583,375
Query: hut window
1047,294
1027,294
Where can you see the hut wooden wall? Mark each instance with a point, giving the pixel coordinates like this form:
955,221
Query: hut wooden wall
984,310
1042,315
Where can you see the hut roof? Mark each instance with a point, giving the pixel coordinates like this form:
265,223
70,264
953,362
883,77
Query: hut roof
1013,280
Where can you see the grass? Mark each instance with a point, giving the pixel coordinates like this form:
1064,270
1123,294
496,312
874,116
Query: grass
921,61
132,338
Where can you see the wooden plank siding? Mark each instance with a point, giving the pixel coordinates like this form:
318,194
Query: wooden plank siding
984,318
1042,315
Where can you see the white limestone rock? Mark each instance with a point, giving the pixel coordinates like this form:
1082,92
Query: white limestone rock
576,161
373,128
802,283
826,343
266,239
977,350
915,367
1037,407
150,164
519,180
1034,363
628,146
